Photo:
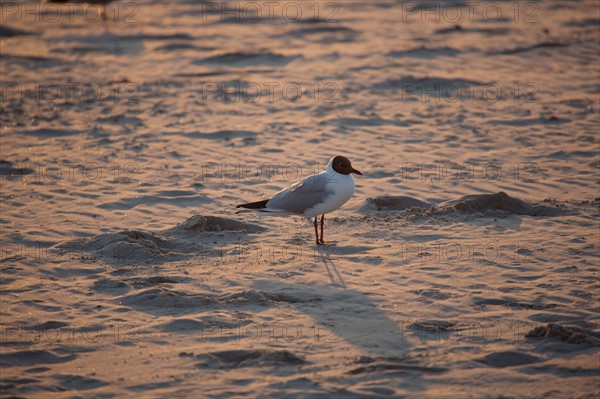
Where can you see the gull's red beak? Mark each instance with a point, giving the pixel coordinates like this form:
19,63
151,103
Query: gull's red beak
355,171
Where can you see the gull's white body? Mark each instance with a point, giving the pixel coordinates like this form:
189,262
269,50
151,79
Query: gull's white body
342,189
314,195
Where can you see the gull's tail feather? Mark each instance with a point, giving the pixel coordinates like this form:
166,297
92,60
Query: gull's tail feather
261,208
254,205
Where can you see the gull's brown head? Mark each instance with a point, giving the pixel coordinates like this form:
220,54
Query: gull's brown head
342,165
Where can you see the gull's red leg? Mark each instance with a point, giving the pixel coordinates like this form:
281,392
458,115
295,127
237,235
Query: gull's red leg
322,223
316,230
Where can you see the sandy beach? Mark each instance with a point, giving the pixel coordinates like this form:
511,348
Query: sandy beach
466,265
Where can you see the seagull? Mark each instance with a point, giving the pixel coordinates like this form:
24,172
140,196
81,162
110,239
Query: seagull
314,195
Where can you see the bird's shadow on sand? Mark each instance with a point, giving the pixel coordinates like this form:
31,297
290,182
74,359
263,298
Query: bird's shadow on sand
328,254
353,317
325,254
340,314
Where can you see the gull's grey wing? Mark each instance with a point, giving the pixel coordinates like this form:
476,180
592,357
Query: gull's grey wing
301,196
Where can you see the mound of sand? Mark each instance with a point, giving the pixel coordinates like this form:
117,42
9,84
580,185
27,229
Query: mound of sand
127,246
200,223
469,203
131,245
393,203
570,335
499,201
137,246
